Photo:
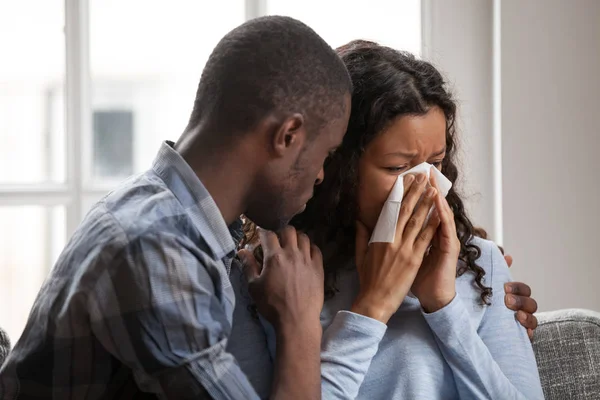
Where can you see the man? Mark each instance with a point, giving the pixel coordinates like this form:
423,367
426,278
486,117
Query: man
140,300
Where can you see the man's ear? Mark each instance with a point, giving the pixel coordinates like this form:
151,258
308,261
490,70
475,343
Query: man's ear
290,135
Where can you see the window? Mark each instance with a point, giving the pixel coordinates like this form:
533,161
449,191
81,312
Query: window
89,89
113,144
32,155
131,69
31,108
31,239
146,58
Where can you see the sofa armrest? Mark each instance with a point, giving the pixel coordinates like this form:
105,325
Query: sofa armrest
567,350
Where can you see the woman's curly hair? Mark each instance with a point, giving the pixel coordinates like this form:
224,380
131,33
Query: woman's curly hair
387,84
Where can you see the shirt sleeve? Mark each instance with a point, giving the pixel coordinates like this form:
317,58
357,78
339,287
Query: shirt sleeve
159,309
496,359
348,347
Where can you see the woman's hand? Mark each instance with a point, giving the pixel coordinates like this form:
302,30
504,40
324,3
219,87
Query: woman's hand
435,284
387,270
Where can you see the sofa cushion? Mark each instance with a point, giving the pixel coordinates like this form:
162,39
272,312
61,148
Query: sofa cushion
567,349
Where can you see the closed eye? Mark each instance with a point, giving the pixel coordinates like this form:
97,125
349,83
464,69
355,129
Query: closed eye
396,169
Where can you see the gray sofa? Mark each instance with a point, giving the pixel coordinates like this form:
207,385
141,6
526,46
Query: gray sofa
567,349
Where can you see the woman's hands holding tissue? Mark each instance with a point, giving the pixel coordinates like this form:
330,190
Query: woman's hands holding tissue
387,270
435,283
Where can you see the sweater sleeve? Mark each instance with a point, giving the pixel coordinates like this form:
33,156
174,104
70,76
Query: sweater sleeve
494,360
349,344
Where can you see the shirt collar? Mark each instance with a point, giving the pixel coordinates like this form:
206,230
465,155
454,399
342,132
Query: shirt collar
195,199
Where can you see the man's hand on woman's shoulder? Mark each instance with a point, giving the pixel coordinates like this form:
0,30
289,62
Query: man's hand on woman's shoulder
518,294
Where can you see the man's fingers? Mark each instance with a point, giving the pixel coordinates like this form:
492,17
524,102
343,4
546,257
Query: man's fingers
529,321
269,242
250,266
304,244
289,238
518,288
530,334
523,303
529,305
315,254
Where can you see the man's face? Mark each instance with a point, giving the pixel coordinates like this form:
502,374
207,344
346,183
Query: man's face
290,188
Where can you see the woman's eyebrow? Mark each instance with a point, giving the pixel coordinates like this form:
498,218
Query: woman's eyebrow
414,154
401,154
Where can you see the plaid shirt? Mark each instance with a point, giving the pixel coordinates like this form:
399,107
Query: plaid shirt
139,303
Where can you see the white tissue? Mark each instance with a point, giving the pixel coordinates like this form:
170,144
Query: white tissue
385,229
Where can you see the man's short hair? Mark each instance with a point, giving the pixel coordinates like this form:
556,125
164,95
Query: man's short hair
269,65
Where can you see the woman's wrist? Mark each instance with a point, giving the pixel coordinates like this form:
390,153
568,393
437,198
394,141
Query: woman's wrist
436,304
371,309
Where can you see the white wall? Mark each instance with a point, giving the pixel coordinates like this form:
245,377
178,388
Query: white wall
457,38
551,147
548,99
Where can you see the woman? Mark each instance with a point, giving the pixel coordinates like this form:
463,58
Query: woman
455,338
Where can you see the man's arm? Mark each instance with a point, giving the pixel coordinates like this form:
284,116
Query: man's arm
161,309
297,365
288,292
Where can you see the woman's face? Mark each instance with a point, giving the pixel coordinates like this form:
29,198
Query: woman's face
407,142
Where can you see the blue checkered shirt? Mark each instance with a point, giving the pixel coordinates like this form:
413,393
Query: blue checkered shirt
139,303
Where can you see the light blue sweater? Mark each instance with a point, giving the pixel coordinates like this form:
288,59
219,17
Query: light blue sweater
463,351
